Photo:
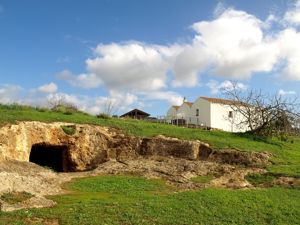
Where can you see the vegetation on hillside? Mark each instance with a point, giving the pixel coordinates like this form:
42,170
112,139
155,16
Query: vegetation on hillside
286,154
135,200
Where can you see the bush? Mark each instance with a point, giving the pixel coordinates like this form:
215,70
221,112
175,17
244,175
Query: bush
103,116
66,108
69,130
42,109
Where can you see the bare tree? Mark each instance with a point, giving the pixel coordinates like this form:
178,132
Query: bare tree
110,107
59,103
263,114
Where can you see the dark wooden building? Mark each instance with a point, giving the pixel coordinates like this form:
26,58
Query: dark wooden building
136,114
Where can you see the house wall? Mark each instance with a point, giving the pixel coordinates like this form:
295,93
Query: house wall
220,118
171,114
184,112
204,112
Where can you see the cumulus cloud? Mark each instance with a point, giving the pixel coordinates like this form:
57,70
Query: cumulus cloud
292,16
48,88
171,97
217,87
130,66
237,45
83,80
290,51
115,102
9,94
283,93
234,45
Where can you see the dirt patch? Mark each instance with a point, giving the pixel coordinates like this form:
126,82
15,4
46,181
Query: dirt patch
235,157
40,182
291,182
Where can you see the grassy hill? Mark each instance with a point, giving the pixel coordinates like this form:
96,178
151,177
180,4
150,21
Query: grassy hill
286,158
135,200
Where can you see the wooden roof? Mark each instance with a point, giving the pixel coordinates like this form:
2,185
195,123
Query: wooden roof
139,112
222,101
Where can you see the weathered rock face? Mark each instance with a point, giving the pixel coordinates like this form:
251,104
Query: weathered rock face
233,156
92,145
87,148
163,146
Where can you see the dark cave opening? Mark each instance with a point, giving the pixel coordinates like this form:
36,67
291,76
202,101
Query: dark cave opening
54,157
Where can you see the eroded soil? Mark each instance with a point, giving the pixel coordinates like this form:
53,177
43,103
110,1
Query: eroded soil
25,176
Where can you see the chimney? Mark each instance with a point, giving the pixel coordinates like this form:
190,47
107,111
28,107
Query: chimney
184,99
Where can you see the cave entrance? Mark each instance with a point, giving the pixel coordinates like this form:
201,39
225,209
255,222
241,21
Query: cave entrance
54,157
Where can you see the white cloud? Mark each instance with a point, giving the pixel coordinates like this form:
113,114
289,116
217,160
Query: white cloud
216,87
290,51
87,81
130,66
9,94
48,88
283,93
119,101
292,16
171,97
235,45
219,9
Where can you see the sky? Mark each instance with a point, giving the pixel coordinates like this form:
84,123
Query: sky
146,54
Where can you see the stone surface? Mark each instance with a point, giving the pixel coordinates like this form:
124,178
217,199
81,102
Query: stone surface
92,145
87,148
164,146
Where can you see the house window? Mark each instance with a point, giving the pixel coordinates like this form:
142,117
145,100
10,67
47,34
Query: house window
230,114
197,112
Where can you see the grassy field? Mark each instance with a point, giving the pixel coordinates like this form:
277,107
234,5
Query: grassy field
286,158
134,200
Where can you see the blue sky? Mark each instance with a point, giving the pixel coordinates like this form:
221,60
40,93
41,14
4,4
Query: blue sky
145,54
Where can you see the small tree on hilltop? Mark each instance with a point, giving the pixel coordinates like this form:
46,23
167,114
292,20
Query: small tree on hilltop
263,114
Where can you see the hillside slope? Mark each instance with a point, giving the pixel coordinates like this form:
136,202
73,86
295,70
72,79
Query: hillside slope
286,155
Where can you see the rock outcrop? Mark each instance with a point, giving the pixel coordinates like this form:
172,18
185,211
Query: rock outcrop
91,145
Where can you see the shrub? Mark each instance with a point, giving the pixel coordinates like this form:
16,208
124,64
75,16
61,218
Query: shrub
103,116
66,108
69,130
42,109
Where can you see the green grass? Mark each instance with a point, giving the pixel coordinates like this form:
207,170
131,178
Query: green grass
69,130
261,179
286,158
15,197
135,200
203,179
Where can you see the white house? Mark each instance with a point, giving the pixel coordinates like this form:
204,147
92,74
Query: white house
180,112
209,112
